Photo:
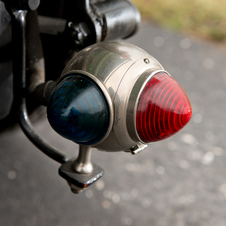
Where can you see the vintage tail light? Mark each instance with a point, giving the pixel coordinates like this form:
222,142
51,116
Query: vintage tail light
116,97
162,110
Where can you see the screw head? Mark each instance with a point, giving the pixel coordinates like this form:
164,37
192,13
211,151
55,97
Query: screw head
146,61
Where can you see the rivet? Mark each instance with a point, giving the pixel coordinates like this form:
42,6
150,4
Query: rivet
146,61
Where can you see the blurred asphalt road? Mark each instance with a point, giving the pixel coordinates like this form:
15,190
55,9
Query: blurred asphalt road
177,182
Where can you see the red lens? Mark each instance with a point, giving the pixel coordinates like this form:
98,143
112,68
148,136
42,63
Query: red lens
163,109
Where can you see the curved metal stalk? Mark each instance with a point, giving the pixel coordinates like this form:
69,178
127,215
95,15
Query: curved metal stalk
19,72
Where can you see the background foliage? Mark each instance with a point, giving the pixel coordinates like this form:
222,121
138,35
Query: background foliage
205,18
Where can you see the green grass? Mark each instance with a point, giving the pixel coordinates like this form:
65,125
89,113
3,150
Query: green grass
205,18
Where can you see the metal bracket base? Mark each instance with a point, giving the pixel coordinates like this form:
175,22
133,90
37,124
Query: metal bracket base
78,181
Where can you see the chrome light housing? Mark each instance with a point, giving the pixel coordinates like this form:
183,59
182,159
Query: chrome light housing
120,71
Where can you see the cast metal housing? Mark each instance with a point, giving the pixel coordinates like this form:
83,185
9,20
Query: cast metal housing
121,70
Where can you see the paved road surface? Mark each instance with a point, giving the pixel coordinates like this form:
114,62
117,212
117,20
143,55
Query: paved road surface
177,182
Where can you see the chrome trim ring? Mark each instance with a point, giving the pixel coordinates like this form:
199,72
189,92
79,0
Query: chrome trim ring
122,97
106,94
133,102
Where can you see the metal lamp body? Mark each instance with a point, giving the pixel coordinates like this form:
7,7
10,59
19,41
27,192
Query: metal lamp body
120,70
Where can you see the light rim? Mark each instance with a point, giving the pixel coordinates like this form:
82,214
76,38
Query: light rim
134,99
106,95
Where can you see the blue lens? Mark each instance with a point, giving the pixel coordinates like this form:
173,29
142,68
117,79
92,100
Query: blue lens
77,110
